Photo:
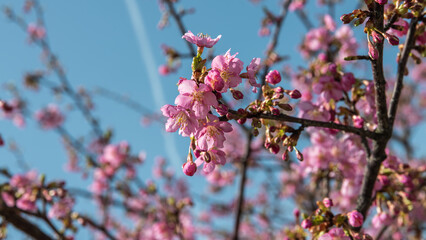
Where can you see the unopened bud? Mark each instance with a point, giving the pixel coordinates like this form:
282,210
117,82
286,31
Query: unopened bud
299,155
189,168
372,51
285,106
306,224
274,111
347,18
295,94
242,120
377,37
274,148
393,40
237,95
285,155
327,202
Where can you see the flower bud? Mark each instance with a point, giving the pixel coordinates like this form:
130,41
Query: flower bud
273,77
347,18
237,95
189,168
5,106
327,202
285,155
242,120
355,218
377,37
274,111
274,148
222,109
307,223
299,155
296,212
372,51
392,39
285,106
295,94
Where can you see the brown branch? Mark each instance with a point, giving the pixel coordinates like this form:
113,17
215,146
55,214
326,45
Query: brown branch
274,43
385,124
305,20
98,227
401,70
12,216
378,76
181,27
314,123
240,202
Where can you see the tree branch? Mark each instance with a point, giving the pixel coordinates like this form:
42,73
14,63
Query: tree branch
314,123
240,202
378,76
12,216
181,27
401,70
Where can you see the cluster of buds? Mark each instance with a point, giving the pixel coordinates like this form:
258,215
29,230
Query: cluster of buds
399,193
323,224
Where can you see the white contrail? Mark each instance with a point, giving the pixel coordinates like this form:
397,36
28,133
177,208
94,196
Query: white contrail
154,79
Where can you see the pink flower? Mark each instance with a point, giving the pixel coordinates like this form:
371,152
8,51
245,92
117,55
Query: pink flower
329,23
114,155
24,180
418,73
381,219
212,135
252,70
61,208
201,40
314,112
403,24
36,32
27,202
230,68
348,80
164,70
199,98
211,158
334,234
355,218
189,168
273,77
328,88
317,39
358,121
297,5
50,117
214,80
179,118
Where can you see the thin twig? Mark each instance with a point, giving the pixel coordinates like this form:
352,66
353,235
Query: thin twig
181,27
401,70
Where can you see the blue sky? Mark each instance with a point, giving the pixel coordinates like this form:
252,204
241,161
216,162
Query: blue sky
98,46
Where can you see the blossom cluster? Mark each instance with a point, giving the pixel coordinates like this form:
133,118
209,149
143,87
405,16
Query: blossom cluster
192,115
